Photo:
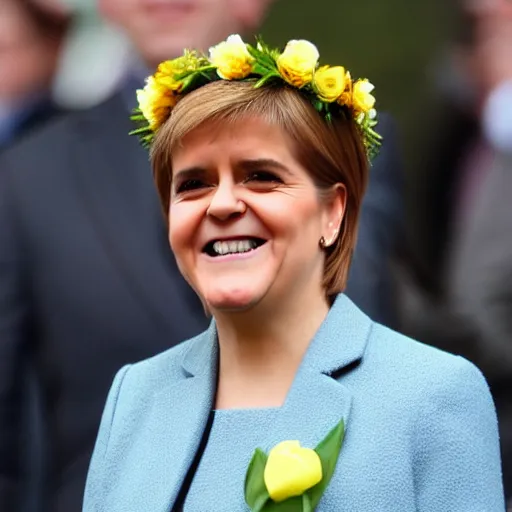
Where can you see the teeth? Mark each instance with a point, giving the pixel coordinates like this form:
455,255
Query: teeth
234,247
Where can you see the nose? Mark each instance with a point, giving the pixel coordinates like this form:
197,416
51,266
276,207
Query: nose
225,204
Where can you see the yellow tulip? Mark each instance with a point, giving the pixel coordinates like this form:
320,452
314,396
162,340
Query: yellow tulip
329,82
362,99
232,59
298,62
291,470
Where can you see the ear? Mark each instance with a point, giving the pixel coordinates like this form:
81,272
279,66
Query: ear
335,205
250,13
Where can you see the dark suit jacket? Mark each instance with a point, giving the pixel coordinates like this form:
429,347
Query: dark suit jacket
30,120
381,227
88,284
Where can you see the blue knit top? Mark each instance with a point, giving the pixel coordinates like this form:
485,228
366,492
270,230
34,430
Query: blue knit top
217,484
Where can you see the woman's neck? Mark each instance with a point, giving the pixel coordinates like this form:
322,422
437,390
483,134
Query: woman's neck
260,351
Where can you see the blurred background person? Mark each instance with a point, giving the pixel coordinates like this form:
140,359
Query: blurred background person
161,29
31,38
481,263
94,58
461,299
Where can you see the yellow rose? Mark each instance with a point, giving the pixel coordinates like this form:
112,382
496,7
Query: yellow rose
345,98
329,82
167,80
168,70
298,62
291,470
362,99
156,102
232,59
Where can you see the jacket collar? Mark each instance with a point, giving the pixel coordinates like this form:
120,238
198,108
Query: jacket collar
340,341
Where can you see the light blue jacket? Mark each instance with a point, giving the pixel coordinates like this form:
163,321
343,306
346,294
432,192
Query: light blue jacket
421,426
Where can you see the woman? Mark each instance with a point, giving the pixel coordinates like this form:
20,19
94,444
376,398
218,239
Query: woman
260,159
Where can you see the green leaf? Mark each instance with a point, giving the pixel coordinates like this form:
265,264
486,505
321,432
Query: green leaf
260,69
140,131
319,105
254,52
256,493
185,74
328,451
290,505
197,79
265,79
306,503
265,63
262,56
261,503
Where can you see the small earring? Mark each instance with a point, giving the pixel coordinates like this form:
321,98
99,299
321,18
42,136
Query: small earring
321,242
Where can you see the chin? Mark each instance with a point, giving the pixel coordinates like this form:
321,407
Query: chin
231,299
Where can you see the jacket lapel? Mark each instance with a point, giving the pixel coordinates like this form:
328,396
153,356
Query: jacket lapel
318,399
119,197
188,402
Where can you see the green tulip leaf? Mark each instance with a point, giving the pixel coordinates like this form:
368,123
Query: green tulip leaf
290,505
306,503
261,503
256,493
328,451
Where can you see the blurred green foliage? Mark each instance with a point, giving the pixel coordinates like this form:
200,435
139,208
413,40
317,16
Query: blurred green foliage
392,42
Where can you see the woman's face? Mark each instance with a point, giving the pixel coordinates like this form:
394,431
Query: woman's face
245,218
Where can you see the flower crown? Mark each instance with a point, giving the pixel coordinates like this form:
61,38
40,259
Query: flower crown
331,90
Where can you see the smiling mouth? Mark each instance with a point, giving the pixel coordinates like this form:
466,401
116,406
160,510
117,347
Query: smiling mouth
217,248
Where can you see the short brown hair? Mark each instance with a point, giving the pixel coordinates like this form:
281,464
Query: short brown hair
331,152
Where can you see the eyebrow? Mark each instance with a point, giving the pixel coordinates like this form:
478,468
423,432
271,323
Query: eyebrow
259,163
247,164
190,173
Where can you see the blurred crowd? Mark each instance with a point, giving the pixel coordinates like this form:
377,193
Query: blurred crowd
74,310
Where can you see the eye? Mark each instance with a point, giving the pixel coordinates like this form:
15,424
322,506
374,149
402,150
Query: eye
262,179
189,185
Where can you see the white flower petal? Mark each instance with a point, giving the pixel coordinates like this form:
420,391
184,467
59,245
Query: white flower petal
366,87
235,39
305,43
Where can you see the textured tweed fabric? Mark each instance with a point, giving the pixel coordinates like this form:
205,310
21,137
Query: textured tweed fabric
421,427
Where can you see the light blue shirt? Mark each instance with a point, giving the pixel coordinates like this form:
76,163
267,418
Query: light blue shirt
497,119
